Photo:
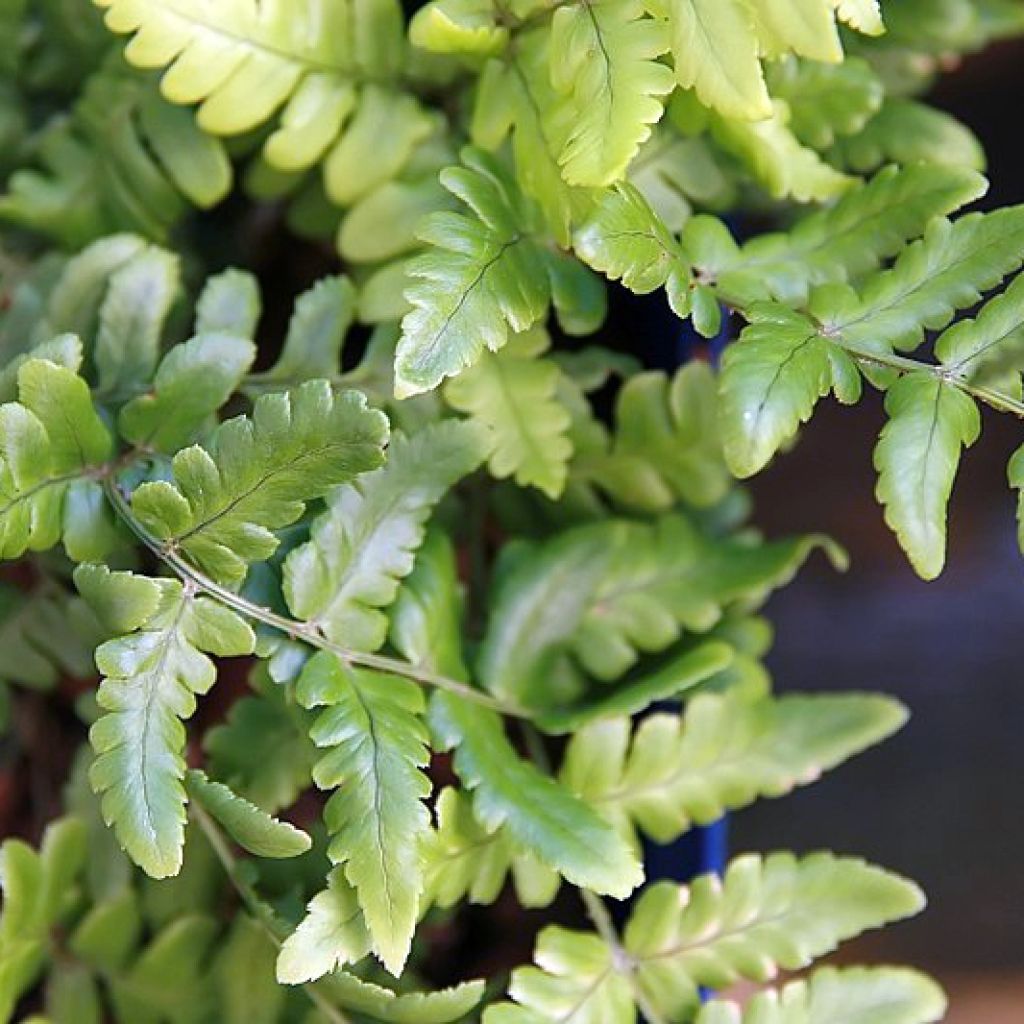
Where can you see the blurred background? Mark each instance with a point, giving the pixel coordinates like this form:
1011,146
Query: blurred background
940,802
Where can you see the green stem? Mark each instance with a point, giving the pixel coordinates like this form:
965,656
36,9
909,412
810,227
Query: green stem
259,910
303,631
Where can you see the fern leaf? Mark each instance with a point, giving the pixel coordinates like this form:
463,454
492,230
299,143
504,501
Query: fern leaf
863,15
538,814
376,750
990,345
258,474
764,915
907,132
724,753
333,933
776,159
483,276
864,227
947,270
715,51
348,571
577,979
192,382
604,63
512,396
152,676
771,381
464,861
230,303
605,592
803,27
444,1006
49,440
917,458
625,240
250,827
852,995
458,26
827,101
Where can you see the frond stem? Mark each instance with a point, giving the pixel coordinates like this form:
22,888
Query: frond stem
302,631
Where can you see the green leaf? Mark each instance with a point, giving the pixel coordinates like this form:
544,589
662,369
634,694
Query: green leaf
624,239
767,914
132,319
348,572
827,101
772,378
776,159
578,980
512,397
151,679
49,440
463,860
805,27
907,132
458,26
257,475
229,304
445,1006
333,933
851,995
263,750
863,15
1015,475
192,382
990,345
539,815
250,827
715,51
917,457
248,991
675,771
947,270
483,276
866,226
316,333
604,62
376,751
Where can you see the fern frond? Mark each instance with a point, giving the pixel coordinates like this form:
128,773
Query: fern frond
765,915
376,751
917,457
538,814
257,475
852,995
483,276
348,572
722,754
50,439
512,396
152,676
604,62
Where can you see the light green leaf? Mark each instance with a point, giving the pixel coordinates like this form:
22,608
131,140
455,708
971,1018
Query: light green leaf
383,224
512,396
348,572
258,473
947,270
458,26
248,991
625,240
332,934
1015,475
483,276
151,679
675,771
715,51
132,319
604,63
229,304
917,457
764,915
463,860
804,27
376,751
772,378
851,995
863,15
250,827
539,815
192,382
49,440
444,1006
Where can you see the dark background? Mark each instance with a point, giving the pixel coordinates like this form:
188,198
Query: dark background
942,801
